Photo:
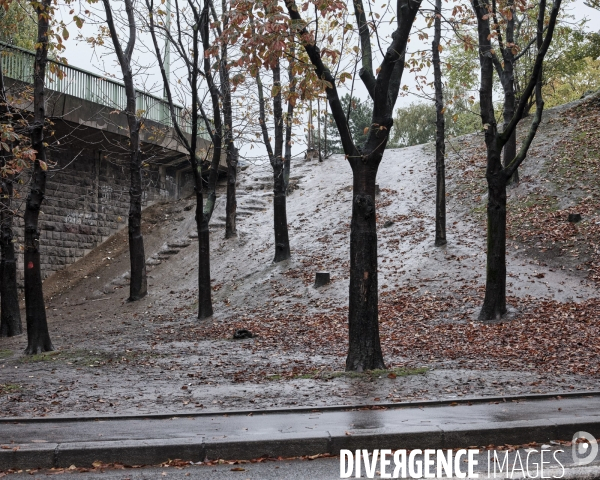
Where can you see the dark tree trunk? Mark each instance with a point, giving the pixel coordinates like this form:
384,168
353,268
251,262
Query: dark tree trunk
232,152
510,149
205,308
364,351
231,205
440,146
319,129
213,174
325,123
494,303
287,159
10,316
508,85
282,241
289,120
138,286
38,337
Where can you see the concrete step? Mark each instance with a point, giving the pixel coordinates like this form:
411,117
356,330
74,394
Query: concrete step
179,244
168,251
257,208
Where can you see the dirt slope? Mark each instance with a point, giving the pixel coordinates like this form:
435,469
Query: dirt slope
154,355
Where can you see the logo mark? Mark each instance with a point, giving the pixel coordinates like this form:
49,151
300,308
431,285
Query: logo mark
584,452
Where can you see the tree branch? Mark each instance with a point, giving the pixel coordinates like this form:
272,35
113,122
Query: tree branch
366,72
537,68
262,118
323,73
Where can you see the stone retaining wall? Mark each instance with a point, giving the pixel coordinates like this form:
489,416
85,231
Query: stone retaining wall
87,201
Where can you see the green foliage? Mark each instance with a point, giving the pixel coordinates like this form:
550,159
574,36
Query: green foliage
360,119
8,388
372,374
566,88
5,353
18,26
415,124
462,68
569,68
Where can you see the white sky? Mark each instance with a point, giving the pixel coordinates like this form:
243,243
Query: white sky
80,54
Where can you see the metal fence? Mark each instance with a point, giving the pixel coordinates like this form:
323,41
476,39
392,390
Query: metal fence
17,63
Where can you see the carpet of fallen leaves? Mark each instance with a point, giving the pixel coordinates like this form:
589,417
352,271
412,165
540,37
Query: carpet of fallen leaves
547,337
567,183
573,187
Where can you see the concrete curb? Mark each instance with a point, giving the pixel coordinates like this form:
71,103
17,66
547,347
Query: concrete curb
156,451
326,408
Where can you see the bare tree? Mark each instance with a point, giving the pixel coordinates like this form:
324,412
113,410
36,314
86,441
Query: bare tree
138,286
230,148
187,44
497,175
440,132
364,351
276,156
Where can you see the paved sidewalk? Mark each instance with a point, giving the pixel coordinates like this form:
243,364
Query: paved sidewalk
49,443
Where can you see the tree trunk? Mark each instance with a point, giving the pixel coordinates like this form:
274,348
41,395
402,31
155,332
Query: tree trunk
287,159
510,149
309,139
325,131
138,287
38,338
364,348
10,318
289,121
205,308
319,129
494,304
364,352
232,152
440,146
231,205
278,163
282,241
508,84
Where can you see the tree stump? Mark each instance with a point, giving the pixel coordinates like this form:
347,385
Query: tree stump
322,278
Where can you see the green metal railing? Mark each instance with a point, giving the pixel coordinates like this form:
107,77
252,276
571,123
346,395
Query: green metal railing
17,64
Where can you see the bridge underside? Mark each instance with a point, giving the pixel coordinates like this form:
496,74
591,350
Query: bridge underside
87,196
